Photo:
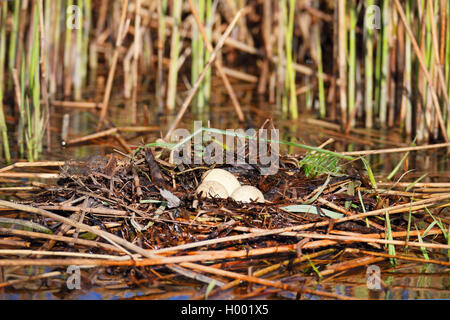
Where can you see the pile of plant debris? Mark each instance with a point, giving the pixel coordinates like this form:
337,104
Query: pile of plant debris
142,213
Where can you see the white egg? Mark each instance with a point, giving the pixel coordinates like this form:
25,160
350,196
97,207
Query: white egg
247,194
227,179
212,189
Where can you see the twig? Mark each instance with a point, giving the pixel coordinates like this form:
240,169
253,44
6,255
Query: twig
217,63
393,150
202,75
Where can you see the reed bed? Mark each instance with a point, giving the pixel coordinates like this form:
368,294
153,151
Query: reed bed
385,64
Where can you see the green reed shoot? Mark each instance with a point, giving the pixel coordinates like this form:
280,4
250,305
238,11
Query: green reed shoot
3,128
391,247
384,85
398,166
352,59
209,19
320,82
162,9
407,77
77,76
174,52
87,19
447,65
198,56
32,105
368,65
290,72
423,249
68,48
13,38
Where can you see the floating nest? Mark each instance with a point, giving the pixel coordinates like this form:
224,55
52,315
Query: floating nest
141,214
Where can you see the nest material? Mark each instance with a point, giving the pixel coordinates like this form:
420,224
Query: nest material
152,204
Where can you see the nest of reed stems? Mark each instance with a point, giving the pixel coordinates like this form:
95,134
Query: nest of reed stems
138,219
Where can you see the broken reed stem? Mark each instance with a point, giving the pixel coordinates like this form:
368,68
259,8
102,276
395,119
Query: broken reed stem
202,75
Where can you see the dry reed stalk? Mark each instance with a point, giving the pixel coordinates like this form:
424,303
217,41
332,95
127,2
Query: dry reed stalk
137,49
14,243
77,104
33,164
439,67
267,38
346,212
112,260
97,135
416,185
18,189
112,70
115,240
264,282
193,91
400,257
355,263
139,129
240,75
394,150
267,270
27,252
217,63
423,66
342,44
87,210
31,278
361,238
395,234
174,54
122,142
29,175
415,205
256,232
40,235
